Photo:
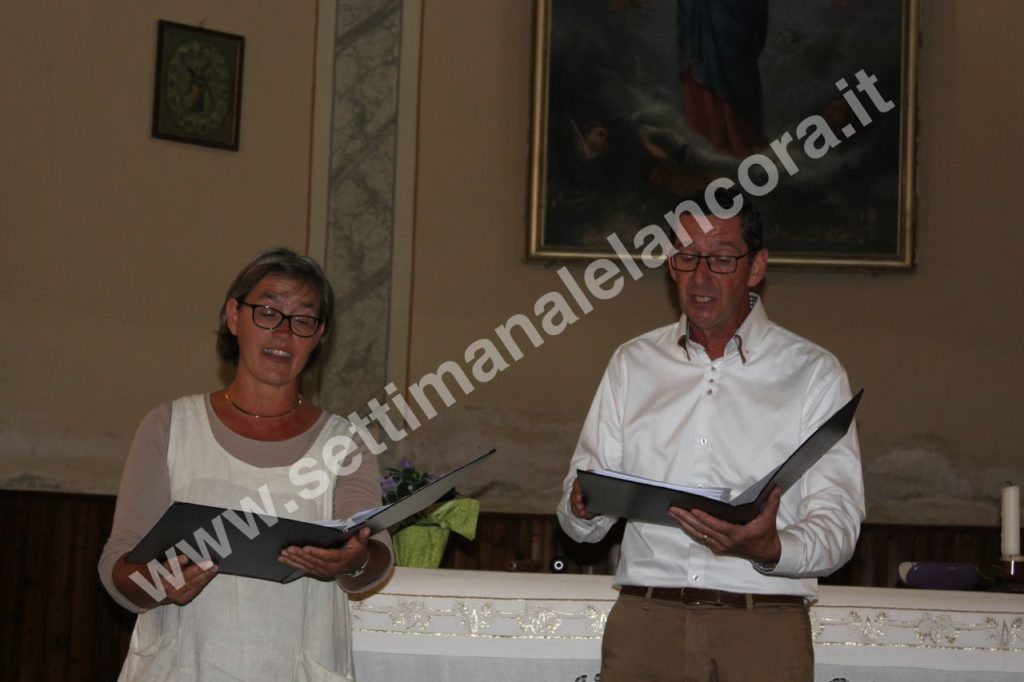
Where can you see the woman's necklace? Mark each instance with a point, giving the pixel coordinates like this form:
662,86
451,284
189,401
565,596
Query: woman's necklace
262,416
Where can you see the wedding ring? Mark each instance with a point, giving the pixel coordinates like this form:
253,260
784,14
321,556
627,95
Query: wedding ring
705,539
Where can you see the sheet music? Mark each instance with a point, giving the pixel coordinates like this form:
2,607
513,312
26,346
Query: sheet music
712,493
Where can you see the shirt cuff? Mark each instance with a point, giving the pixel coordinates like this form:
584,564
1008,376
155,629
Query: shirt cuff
789,557
583,530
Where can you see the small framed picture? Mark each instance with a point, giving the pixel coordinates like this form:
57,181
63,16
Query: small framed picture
198,92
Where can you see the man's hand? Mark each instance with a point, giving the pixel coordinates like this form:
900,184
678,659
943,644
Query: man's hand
328,563
579,508
757,540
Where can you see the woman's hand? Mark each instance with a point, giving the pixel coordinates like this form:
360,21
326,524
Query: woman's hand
329,563
197,577
186,582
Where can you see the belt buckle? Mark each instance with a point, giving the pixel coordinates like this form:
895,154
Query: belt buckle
717,601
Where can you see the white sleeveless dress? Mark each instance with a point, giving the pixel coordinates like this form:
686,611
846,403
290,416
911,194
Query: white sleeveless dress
241,628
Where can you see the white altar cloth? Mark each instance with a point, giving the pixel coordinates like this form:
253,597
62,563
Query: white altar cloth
476,625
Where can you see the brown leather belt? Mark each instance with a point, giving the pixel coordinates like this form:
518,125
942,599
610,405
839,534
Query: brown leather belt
694,596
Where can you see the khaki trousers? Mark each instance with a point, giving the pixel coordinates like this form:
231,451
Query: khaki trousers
654,640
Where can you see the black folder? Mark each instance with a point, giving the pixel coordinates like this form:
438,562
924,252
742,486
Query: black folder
254,541
649,502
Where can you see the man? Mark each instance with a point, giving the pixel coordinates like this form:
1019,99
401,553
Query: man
719,399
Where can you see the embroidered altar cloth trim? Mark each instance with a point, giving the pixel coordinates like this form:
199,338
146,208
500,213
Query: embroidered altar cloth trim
544,616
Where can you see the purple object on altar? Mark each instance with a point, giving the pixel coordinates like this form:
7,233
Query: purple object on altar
936,575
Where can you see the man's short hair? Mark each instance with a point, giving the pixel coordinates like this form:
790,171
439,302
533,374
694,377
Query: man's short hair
751,227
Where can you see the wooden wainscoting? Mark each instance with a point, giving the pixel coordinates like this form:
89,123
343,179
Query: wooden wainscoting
883,547
531,542
57,622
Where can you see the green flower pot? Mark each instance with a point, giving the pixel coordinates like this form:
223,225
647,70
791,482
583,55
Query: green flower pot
420,546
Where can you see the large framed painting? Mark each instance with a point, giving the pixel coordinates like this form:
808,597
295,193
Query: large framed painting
808,106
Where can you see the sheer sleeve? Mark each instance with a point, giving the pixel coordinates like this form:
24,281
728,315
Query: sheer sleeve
143,496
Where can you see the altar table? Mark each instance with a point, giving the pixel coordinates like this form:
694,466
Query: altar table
483,625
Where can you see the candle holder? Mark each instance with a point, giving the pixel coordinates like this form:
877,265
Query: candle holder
1005,575
1012,568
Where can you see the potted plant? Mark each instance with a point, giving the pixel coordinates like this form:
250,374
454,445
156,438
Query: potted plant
420,542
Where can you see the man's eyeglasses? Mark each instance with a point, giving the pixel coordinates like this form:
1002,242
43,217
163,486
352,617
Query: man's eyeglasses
265,317
720,264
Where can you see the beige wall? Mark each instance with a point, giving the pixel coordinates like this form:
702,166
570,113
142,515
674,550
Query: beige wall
937,351
117,247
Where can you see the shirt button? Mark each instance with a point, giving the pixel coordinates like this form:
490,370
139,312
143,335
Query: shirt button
695,578
703,441
709,391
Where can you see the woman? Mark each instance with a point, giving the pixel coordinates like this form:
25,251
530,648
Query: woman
240,442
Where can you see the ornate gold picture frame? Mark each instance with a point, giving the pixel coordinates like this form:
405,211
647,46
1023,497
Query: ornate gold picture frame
640,103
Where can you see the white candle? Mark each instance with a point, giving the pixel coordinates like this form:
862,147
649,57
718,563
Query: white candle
1011,521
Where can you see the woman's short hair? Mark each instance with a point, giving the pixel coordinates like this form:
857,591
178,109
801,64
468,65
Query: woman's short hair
281,262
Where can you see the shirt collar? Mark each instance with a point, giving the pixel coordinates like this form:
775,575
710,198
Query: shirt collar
750,331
